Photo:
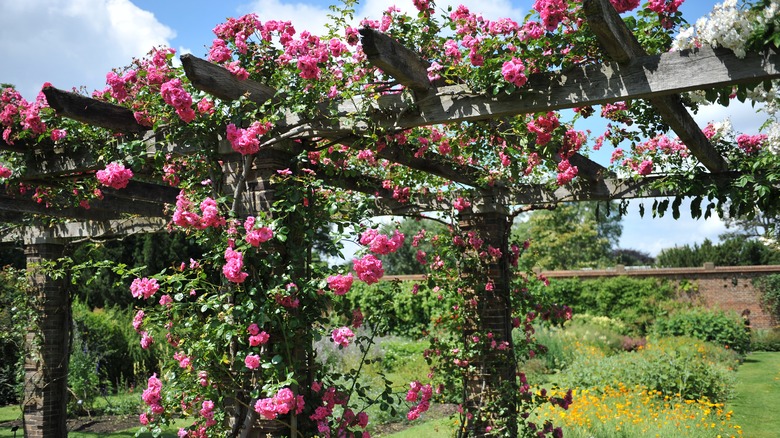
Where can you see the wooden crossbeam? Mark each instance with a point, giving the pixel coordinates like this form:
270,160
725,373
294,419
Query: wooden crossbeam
211,78
433,163
621,45
87,229
92,111
109,208
19,146
385,204
395,59
608,189
49,163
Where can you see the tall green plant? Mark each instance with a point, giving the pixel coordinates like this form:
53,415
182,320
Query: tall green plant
715,326
769,286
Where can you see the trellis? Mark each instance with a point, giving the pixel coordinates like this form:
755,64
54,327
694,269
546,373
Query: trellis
626,73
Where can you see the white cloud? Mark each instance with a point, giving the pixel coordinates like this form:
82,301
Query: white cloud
744,117
651,234
72,42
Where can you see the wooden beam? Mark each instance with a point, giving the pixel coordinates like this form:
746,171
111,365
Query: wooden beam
87,229
395,59
608,189
218,81
54,163
92,111
647,77
145,192
622,46
433,163
19,146
109,208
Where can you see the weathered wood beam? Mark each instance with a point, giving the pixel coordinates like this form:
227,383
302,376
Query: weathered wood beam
622,46
385,204
145,192
646,77
108,208
88,229
587,168
51,163
92,111
607,189
395,59
432,163
218,81
19,146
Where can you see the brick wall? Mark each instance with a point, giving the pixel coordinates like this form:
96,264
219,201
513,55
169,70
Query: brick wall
717,287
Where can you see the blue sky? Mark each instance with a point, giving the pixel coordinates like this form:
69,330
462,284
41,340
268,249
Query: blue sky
76,42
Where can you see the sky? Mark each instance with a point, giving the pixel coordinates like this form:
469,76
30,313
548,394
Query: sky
73,43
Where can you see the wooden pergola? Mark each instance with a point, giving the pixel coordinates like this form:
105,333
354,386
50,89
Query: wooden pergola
627,73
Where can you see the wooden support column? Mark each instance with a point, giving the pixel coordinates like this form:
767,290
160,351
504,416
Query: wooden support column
47,345
495,380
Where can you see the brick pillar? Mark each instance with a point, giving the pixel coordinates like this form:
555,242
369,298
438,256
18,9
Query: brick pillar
46,346
495,381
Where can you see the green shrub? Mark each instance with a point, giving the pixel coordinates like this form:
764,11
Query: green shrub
108,338
683,367
765,340
404,312
583,335
15,318
769,286
635,301
714,326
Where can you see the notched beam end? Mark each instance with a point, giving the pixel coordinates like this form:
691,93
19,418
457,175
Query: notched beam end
92,111
395,59
219,82
618,42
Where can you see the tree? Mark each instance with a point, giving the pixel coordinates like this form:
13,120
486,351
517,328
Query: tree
404,261
570,236
734,251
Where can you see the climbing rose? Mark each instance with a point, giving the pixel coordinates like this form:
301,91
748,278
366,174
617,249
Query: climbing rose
340,284
342,336
252,361
283,402
512,71
461,204
369,269
174,95
380,243
58,134
259,339
256,236
144,287
645,167
232,269
114,175
146,340
5,172
624,5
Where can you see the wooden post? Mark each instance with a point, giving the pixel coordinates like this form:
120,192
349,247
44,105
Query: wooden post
47,345
495,381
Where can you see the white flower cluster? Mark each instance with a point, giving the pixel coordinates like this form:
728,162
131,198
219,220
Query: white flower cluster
726,26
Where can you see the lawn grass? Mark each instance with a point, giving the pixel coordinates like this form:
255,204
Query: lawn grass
169,432
10,413
438,428
757,395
